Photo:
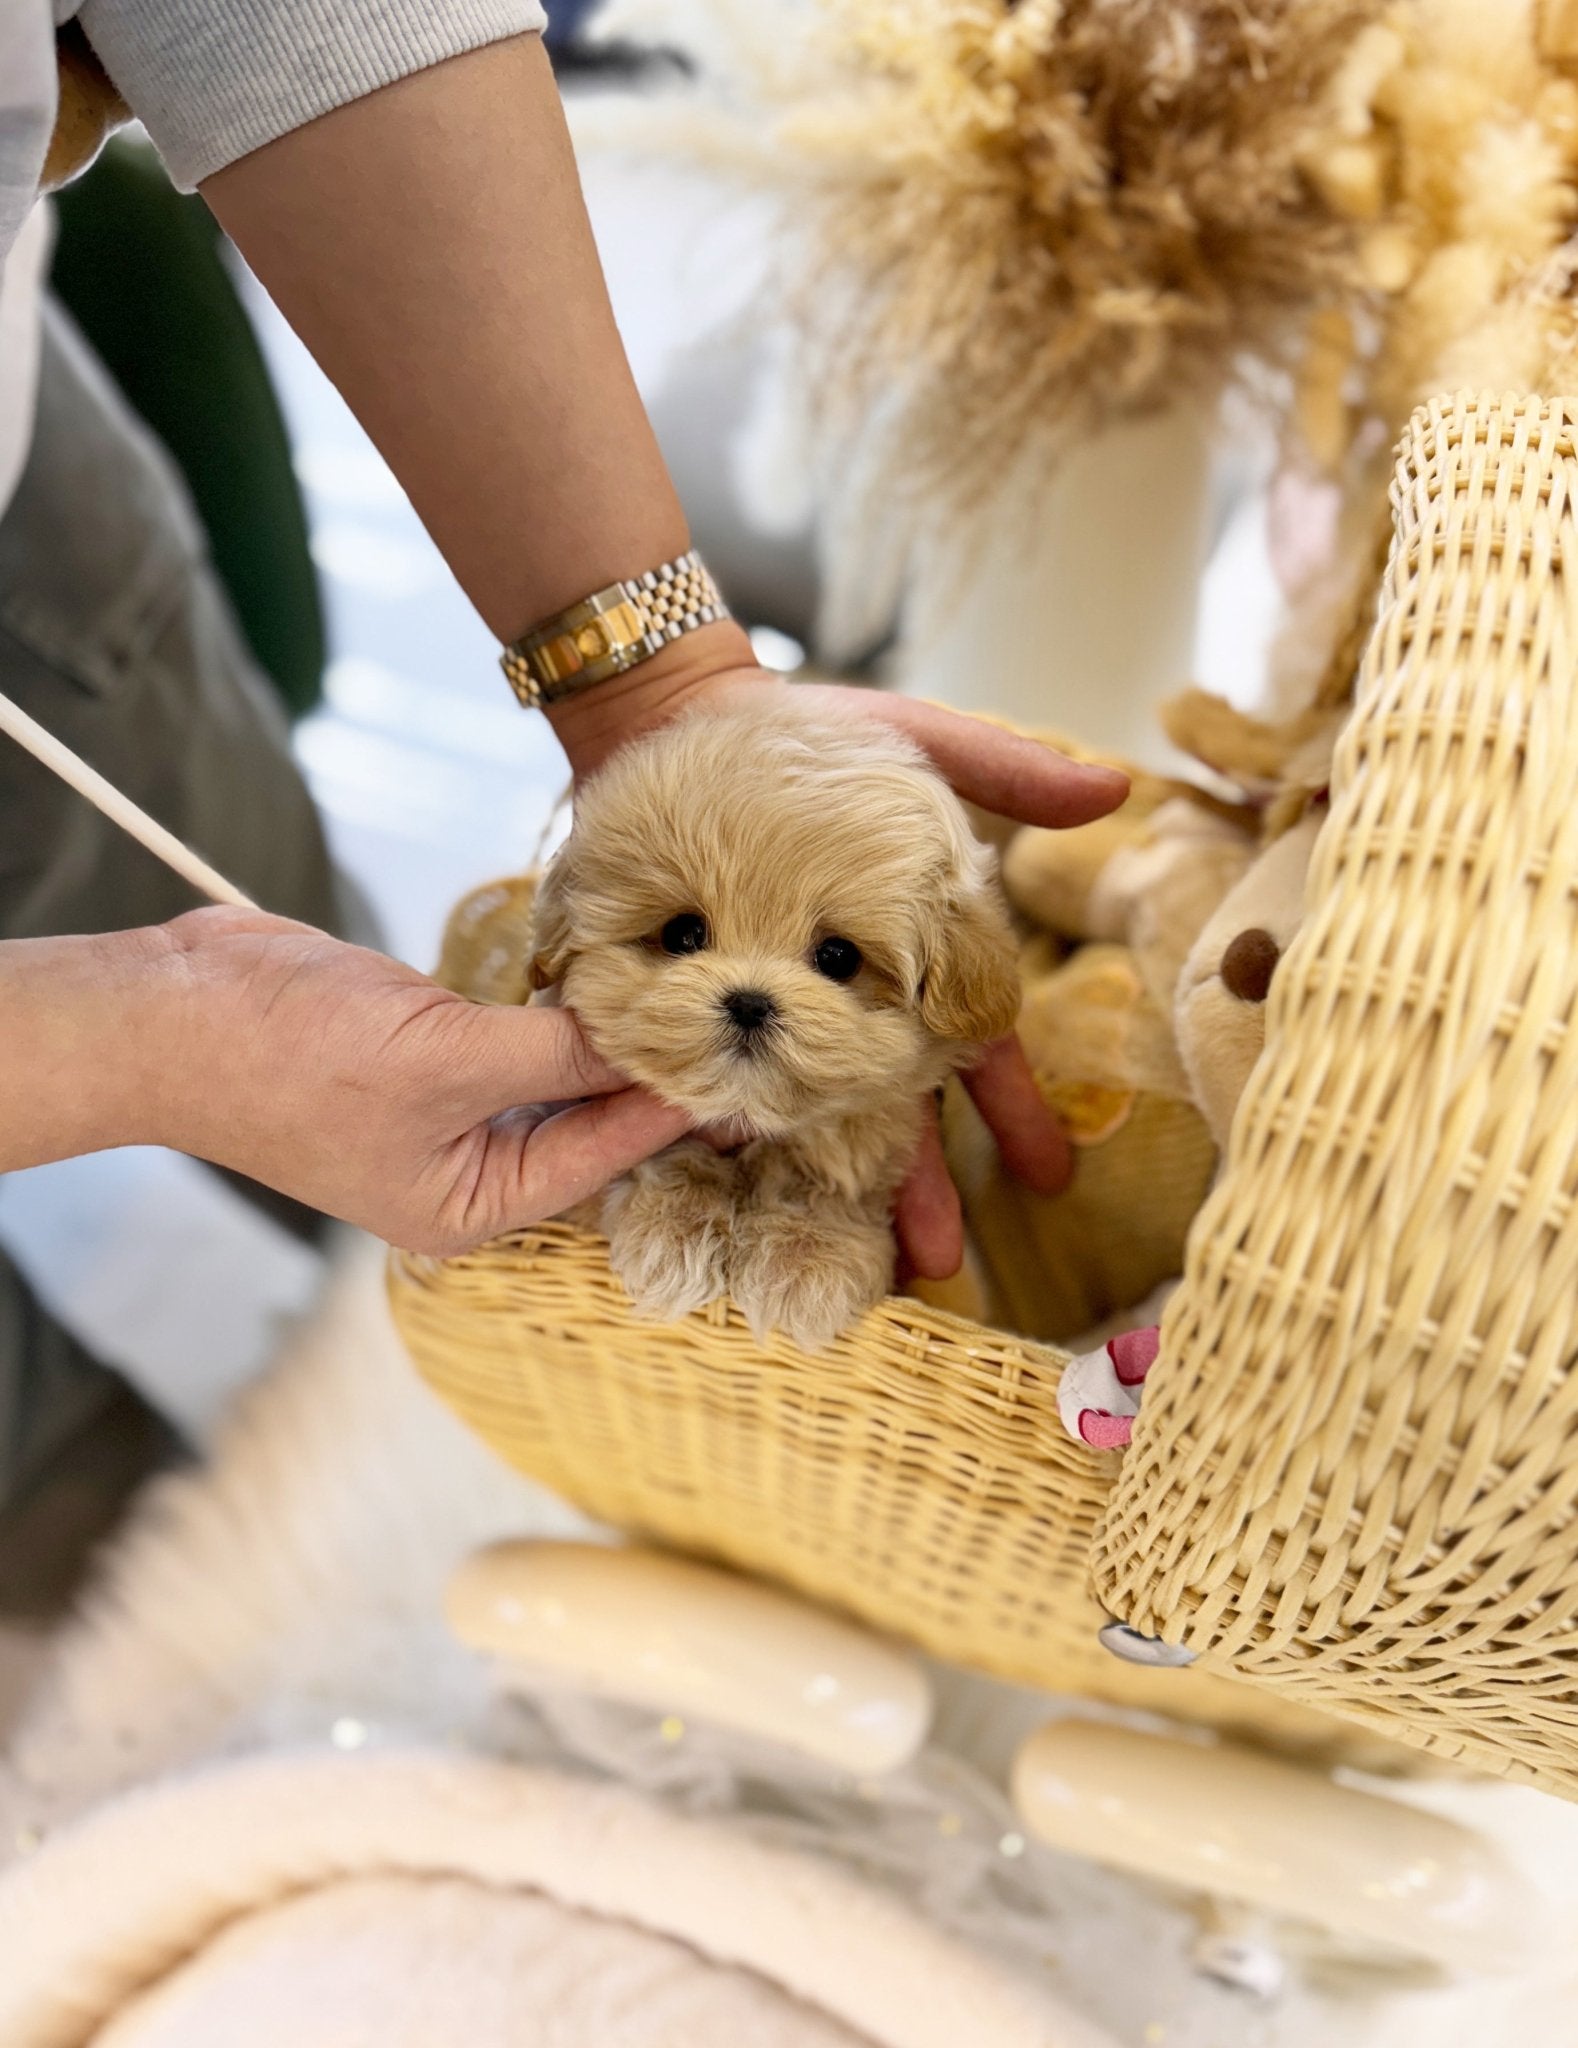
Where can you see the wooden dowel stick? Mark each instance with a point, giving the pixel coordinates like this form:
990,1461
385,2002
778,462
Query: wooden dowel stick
104,796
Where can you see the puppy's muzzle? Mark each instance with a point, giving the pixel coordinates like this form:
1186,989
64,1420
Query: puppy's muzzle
752,1013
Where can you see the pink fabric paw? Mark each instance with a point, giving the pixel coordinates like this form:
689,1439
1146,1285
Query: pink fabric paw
1098,1396
1133,1354
1104,1432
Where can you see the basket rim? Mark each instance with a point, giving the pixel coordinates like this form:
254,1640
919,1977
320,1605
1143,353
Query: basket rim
905,1314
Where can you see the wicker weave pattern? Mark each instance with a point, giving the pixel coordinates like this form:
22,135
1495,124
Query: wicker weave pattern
915,1473
1356,1472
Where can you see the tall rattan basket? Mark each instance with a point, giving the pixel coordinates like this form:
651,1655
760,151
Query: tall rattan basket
1355,1479
1356,1474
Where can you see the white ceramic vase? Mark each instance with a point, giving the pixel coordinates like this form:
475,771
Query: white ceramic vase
1077,609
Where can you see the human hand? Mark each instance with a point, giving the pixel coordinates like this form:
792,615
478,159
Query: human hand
998,770
364,1089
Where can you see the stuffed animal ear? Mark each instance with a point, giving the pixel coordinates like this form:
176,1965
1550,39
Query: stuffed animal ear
487,946
88,110
970,989
551,942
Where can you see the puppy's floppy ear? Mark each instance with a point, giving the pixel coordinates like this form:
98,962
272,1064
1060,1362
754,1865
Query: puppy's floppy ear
551,944
970,988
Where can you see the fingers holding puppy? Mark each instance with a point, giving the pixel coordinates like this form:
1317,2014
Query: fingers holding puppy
986,764
927,1217
1033,1144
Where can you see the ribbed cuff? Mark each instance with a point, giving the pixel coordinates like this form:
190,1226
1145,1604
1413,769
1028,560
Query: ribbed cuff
212,80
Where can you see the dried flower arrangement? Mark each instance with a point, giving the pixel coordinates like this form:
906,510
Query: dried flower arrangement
1004,224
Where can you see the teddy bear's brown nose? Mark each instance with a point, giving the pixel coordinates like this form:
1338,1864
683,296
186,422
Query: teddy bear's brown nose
1248,965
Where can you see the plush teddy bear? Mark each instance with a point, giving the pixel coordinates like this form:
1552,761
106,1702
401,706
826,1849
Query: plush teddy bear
1152,939
1109,913
1146,878
1219,1011
1103,1052
486,951
1219,1017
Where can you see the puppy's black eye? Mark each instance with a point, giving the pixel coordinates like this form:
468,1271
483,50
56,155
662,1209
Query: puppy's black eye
838,959
686,933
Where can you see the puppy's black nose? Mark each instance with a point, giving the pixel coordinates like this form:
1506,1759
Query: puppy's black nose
750,1009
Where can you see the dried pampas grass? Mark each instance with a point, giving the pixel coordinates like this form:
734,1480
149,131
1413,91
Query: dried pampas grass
1005,224
1454,148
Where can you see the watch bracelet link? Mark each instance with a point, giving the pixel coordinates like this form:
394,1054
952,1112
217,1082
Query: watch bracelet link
611,631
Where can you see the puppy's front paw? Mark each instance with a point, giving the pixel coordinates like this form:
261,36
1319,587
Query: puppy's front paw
811,1272
668,1225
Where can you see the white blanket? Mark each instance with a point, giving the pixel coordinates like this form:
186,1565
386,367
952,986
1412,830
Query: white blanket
410,1963
324,1900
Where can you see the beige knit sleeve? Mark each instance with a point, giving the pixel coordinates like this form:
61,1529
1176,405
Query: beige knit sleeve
212,80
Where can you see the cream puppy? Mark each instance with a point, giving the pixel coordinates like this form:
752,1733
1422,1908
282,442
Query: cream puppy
780,922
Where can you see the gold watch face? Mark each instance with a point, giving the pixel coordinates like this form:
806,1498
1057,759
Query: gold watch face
600,642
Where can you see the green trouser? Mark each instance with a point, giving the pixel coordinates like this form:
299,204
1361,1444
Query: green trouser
114,634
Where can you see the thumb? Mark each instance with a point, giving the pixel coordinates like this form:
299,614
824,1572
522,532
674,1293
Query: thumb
537,1167
507,1055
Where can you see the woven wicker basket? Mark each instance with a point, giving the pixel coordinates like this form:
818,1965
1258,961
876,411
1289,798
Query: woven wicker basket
1355,1476
1356,1472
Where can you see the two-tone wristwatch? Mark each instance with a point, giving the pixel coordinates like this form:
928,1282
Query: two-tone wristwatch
611,631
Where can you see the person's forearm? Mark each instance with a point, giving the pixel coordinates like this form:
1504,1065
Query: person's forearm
79,1065
430,244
